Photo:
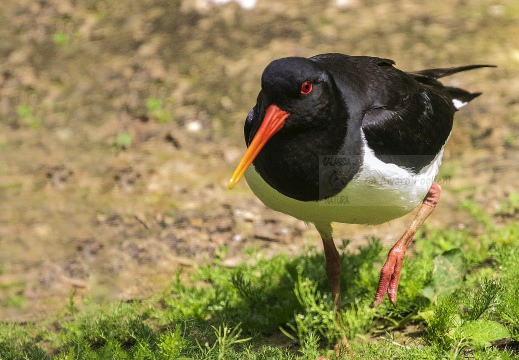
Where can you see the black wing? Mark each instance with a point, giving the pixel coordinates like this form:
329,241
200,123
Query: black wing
405,121
410,134
410,131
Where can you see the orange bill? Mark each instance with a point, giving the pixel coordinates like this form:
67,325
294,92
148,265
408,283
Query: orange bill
272,122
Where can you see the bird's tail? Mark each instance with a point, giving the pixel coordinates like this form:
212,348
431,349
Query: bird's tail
459,96
442,72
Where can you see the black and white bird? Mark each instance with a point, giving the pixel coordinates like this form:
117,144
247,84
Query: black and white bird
350,139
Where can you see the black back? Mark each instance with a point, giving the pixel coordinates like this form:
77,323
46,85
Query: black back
406,118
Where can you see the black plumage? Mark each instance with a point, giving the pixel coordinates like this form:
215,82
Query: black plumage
406,118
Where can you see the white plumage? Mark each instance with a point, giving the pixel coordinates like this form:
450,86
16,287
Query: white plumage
378,193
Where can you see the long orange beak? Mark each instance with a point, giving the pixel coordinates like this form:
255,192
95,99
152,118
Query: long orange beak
272,122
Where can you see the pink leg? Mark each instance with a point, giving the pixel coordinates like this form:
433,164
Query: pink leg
333,271
390,273
333,262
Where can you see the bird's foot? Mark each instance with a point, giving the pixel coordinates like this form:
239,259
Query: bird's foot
390,275
342,347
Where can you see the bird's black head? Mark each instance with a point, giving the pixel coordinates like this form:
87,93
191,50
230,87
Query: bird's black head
299,116
300,87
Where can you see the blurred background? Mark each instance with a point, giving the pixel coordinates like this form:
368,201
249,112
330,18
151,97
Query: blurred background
121,122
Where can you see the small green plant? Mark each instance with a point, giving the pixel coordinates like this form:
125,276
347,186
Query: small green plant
310,346
16,300
123,140
453,330
510,139
443,320
226,339
447,274
17,343
507,258
318,317
157,111
61,39
26,114
510,207
71,308
478,213
171,344
483,299
220,253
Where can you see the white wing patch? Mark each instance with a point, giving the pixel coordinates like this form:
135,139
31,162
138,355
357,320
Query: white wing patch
458,104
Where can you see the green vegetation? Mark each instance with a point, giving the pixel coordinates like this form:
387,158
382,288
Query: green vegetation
510,207
26,114
61,39
12,294
157,110
123,140
459,293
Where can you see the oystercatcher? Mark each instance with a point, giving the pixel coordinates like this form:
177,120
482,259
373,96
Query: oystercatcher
350,139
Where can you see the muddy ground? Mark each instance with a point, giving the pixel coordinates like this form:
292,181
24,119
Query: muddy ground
121,121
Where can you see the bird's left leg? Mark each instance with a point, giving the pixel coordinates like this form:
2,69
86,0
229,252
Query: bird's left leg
390,273
333,262
333,271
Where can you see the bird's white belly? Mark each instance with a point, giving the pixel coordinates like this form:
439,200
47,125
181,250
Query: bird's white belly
378,193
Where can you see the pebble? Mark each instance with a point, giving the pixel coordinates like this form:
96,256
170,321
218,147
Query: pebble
194,126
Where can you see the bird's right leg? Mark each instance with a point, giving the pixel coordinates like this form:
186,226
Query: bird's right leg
390,273
333,262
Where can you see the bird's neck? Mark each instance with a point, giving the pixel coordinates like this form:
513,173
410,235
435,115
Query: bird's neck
300,164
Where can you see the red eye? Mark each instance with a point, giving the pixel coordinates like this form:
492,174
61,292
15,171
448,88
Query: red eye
306,87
